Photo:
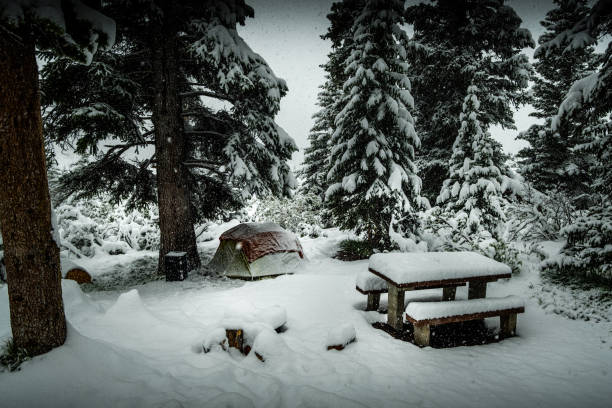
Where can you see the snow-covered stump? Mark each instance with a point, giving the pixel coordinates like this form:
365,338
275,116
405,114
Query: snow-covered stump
340,337
235,339
449,293
507,325
395,310
176,266
477,290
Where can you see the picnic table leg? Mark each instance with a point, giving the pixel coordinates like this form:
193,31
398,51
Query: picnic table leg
422,335
395,312
507,325
373,301
477,290
449,293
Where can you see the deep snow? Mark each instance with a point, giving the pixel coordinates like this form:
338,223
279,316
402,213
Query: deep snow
140,348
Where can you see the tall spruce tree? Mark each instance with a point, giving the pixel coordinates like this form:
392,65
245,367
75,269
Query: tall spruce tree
31,253
317,154
458,43
473,192
372,176
549,163
588,250
205,160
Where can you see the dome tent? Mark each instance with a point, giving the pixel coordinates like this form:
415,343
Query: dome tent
255,250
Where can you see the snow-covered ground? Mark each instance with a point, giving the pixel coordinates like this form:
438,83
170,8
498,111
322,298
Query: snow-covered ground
129,348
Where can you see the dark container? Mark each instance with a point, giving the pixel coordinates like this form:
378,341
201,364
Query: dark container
176,266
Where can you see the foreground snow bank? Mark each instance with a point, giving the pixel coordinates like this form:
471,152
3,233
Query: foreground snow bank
135,349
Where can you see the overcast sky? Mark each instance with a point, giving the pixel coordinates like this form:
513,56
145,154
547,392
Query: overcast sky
286,33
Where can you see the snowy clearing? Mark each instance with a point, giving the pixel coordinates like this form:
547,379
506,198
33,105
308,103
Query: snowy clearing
140,348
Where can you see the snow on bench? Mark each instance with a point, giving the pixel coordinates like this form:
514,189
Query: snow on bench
371,285
424,314
425,311
430,268
367,282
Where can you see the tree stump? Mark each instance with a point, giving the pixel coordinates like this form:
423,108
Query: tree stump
78,275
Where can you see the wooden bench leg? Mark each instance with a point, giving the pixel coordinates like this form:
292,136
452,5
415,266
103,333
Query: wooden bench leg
373,301
449,293
507,325
422,335
477,290
395,312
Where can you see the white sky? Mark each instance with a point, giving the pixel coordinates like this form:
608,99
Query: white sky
286,33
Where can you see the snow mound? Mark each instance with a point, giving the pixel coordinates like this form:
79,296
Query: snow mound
130,309
274,316
269,345
341,335
68,264
212,341
76,303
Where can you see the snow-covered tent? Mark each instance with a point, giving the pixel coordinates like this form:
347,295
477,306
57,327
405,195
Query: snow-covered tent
254,250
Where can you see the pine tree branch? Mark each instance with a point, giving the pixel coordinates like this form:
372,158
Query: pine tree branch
210,95
202,164
206,132
128,145
12,35
118,150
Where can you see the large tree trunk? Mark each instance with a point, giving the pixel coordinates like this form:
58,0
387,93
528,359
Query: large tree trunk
30,253
175,213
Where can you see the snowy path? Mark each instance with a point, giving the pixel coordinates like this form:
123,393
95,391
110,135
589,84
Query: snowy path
134,350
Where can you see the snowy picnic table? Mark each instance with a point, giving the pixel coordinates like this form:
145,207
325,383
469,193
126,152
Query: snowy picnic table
426,270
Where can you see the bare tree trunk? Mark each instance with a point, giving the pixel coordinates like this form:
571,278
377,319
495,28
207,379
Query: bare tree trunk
175,213
30,253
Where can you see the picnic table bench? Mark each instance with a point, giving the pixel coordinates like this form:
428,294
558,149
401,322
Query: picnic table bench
423,315
426,270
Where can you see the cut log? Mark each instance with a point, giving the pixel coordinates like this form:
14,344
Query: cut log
78,275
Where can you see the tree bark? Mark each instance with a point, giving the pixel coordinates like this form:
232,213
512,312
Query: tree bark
175,212
30,253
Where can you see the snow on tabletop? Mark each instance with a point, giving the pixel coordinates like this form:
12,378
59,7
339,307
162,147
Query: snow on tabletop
341,335
367,281
404,268
436,310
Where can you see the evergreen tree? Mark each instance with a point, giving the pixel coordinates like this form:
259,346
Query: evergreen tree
372,176
31,252
458,43
588,250
548,163
473,192
206,161
317,154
